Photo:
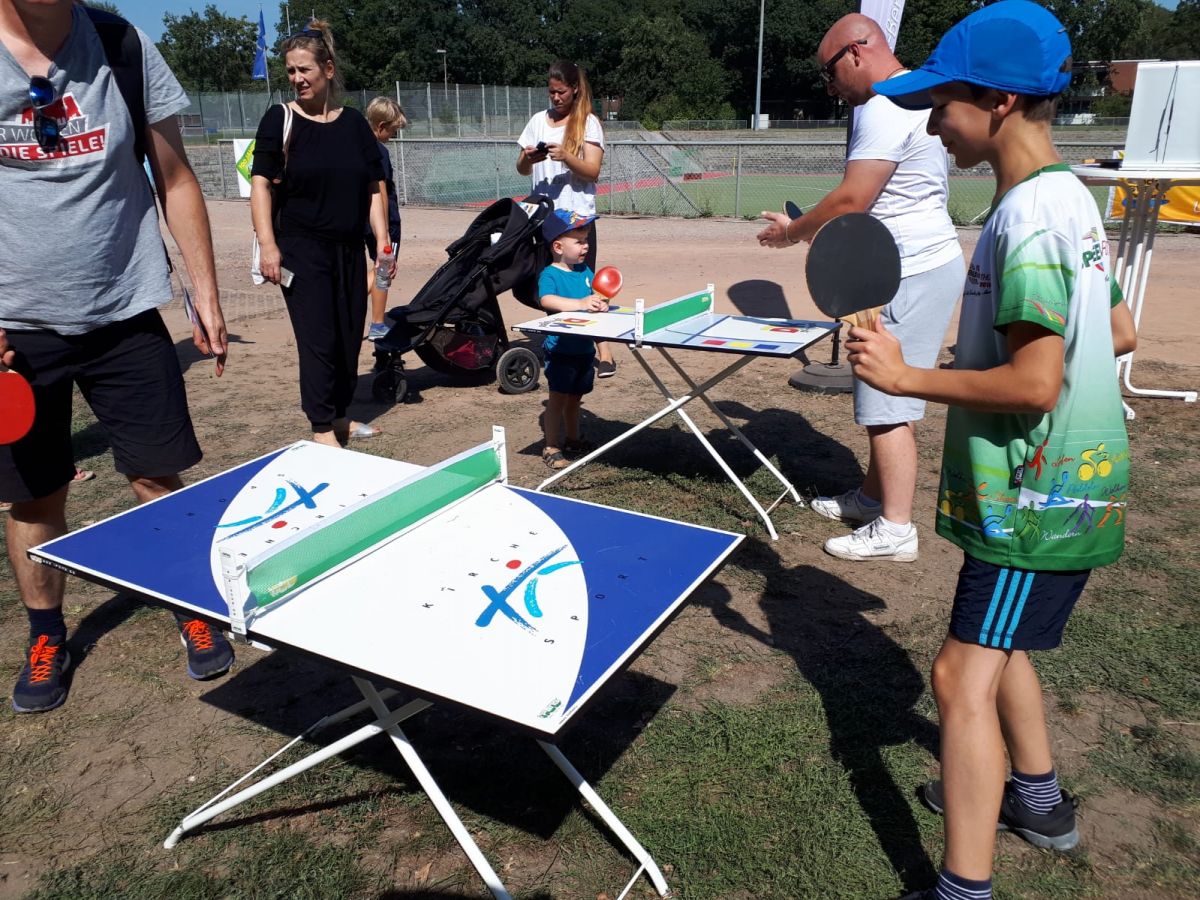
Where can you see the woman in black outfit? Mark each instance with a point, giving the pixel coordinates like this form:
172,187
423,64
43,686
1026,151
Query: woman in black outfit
326,189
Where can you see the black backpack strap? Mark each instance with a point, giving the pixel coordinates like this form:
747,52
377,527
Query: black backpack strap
123,50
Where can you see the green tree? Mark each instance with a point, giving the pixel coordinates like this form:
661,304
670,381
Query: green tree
209,51
381,41
1181,38
666,71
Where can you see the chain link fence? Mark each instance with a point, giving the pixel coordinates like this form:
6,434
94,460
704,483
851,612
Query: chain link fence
658,177
433,110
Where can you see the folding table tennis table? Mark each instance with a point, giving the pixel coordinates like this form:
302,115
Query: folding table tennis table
446,583
689,323
1146,191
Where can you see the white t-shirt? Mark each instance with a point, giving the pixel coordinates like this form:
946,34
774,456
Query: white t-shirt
1044,492
553,179
913,203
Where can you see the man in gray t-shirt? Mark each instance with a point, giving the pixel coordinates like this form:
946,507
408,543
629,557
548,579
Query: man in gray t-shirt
84,272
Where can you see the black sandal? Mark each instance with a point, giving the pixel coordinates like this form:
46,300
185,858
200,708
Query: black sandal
554,459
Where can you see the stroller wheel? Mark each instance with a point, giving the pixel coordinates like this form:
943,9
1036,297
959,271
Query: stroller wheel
518,370
389,386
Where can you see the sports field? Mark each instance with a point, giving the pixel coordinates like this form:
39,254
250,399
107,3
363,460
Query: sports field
635,182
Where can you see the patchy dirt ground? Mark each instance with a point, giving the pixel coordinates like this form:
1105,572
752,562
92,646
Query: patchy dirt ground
133,737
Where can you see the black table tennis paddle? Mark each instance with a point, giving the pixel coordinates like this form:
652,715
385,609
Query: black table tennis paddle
853,268
792,210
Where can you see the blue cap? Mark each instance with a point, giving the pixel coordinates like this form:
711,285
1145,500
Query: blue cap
561,221
1013,45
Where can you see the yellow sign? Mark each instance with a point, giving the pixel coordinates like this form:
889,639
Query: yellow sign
1183,204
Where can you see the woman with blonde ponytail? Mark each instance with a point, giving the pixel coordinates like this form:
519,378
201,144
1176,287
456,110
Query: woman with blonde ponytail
315,187
563,149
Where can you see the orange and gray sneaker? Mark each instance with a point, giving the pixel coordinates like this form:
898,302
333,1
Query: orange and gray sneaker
209,654
42,684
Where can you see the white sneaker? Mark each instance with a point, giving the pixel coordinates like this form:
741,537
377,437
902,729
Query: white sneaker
874,542
847,507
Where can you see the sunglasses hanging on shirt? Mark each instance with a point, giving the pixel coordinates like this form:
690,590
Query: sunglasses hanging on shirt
45,128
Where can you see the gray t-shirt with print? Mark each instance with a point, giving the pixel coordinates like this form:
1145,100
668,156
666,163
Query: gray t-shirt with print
78,225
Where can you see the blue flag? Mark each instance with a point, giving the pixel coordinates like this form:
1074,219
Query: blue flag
260,56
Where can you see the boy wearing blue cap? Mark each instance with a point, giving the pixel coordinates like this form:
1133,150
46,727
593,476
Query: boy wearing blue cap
1036,459
566,286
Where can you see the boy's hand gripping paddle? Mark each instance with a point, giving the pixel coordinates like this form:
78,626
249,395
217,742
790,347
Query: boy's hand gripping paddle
607,282
16,407
853,268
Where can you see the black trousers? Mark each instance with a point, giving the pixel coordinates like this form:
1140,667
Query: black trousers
327,304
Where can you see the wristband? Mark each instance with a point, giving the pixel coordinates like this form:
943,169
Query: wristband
786,234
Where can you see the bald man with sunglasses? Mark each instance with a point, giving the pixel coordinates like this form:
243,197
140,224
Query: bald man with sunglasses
84,273
898,173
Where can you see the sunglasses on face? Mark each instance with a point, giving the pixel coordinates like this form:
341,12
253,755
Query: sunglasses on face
827,69
45,128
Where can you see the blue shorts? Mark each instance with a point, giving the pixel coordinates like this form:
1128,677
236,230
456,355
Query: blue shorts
571,373
1013,609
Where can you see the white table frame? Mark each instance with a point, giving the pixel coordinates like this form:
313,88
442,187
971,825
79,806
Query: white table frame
1146,191
675,404
387,720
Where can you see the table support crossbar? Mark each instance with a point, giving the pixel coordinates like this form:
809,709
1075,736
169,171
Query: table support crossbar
675,404
388,720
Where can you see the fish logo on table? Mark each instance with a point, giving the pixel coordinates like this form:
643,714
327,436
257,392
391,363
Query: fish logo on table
498,599
273,515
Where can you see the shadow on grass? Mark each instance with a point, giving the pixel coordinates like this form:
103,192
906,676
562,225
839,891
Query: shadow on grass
481,764
867,683
810,459
447,895
106,617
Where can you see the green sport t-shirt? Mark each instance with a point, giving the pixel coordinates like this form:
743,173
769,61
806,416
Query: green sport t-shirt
1030,490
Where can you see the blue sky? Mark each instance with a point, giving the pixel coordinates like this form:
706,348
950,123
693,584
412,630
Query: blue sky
148,14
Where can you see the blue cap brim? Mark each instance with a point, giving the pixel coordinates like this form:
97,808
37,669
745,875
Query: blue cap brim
911,90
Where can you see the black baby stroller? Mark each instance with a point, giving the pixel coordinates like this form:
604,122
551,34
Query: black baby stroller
454,322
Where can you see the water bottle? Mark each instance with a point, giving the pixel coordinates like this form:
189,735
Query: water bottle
383,263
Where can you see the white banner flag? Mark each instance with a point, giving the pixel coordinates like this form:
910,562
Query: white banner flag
887,13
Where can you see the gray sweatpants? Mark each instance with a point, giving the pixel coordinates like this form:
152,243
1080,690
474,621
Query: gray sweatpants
918,316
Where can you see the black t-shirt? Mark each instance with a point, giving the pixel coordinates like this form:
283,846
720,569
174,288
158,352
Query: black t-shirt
330,167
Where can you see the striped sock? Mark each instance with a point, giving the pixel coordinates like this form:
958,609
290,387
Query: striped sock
954,887
1039,793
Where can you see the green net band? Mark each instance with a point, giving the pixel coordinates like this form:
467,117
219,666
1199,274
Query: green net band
670,313
361,527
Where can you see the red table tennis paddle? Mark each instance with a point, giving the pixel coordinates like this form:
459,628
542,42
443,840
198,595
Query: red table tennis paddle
607,282
16,407
853,268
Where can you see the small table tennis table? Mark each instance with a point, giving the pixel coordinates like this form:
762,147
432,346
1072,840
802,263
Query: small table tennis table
689,323
446,584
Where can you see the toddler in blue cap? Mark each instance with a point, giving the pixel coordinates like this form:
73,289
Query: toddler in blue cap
1033,399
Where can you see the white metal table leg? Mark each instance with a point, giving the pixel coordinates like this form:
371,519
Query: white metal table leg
675,405
610,819
215,806
789,488
434,792
1145,227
